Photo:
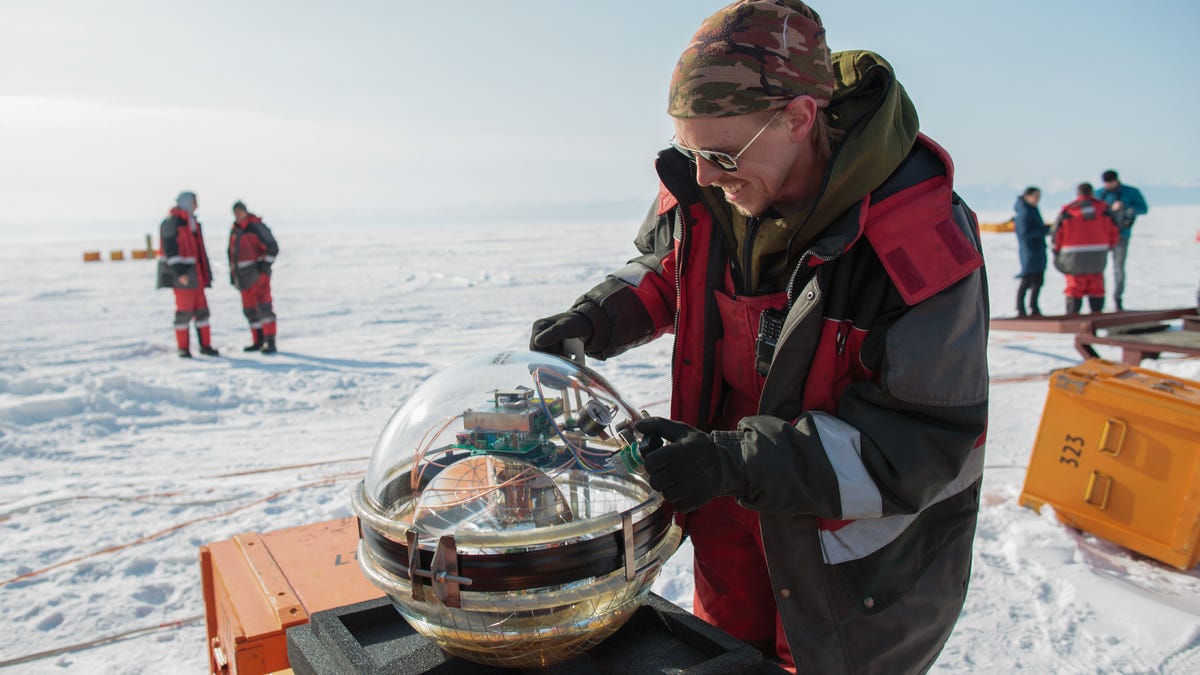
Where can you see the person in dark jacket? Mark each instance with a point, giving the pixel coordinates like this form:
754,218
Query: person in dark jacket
826,292
1126,203
1031,243
183,266
252,251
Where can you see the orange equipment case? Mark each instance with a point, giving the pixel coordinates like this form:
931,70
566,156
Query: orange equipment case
256,586
1118,455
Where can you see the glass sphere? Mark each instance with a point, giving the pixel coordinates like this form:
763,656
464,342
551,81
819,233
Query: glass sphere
504,514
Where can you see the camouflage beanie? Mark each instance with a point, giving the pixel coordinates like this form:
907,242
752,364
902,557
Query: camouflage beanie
751,56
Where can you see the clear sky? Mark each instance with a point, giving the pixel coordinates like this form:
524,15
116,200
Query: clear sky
320,114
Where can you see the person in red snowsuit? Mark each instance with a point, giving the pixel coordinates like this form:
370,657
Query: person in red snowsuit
252,250
183,267
1083,234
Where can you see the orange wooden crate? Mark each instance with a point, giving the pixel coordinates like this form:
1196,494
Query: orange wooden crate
1118,455
256,586
91,256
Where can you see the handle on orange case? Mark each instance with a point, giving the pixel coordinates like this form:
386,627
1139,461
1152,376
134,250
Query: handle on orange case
1113,437
1093,481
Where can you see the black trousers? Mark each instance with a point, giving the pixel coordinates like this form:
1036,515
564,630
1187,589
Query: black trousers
1031,284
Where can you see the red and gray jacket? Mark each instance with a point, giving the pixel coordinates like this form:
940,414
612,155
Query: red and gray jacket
865,456
252,249
1083,234
183,252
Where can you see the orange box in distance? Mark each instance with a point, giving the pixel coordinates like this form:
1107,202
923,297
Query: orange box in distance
91,256
1118,455
256,586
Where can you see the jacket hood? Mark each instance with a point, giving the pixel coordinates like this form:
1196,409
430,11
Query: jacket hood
879,123
1022,205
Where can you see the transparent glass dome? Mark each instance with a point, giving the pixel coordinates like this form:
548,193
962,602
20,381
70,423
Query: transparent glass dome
504,514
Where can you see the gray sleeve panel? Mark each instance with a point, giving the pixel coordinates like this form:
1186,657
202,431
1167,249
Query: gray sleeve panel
264,234
655,241
936,353
655,238
166,235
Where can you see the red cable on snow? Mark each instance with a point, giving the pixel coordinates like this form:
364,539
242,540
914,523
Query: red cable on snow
179,526
137,632
250,472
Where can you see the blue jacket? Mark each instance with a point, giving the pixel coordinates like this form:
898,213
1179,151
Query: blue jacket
1031,238
1132,200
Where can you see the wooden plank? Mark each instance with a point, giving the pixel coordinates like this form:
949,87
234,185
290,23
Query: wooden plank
1134,348
1085,323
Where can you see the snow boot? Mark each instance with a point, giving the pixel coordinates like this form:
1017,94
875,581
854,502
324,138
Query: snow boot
1096,304
258,342
207,350
1074,305
269,345
1120,305
185,354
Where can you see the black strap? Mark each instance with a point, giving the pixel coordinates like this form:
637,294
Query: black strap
533,569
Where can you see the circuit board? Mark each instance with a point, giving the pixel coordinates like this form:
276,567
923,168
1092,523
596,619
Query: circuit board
513,423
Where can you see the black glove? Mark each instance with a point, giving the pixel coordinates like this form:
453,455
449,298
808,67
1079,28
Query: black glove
692,467
548,333
264,267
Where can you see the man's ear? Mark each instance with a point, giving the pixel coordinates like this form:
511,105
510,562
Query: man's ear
801,115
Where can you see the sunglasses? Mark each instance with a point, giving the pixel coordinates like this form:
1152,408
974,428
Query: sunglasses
722,160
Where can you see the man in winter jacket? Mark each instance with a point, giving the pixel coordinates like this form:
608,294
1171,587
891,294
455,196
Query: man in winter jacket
1126,203
183,266
826,292
252,250
1031,242
1083,234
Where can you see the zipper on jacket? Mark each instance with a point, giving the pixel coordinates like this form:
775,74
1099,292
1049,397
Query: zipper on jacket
752,225
840,340
678,296
810,253
828,174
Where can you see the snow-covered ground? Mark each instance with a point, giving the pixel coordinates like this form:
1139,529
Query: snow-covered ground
109,441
